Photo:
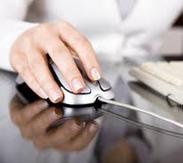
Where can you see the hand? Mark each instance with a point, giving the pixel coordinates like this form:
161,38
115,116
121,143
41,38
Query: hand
60,41
35,121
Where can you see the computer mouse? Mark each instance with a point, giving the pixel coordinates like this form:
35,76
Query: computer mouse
87,96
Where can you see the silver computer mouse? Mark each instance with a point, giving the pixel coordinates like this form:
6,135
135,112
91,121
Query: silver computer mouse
89,95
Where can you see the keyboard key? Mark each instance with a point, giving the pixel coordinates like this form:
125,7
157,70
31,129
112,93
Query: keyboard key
159,70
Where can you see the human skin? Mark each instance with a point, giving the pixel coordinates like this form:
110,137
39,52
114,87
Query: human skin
61,41
35,122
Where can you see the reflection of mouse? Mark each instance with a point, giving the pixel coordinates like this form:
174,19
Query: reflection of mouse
88,96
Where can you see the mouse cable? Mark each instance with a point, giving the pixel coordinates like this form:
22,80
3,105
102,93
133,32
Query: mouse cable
143,125
130,107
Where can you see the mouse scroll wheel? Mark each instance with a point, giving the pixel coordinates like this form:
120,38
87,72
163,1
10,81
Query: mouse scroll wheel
104,85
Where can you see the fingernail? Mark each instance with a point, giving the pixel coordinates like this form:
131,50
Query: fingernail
77,85
56,96
58,112
93,127
95,74
44,95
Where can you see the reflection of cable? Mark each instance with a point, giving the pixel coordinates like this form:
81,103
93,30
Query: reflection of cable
143,125
130,107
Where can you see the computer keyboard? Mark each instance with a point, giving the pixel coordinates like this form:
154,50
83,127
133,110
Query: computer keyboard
164,77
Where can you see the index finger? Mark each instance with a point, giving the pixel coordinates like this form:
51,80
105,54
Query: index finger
83,48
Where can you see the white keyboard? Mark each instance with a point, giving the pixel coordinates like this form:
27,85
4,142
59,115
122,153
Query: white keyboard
164,77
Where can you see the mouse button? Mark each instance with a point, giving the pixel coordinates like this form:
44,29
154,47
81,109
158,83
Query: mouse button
92,84
81,69
84,74
104,85
65,85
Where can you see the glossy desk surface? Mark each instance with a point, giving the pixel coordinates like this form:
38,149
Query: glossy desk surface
118,140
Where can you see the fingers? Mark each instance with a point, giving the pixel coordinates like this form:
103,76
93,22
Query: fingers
43,75
58,40
15,106
64,61
39,124
83,48
60,135
83,139
26,74
35,119
22,115
32,110
64,133
78,138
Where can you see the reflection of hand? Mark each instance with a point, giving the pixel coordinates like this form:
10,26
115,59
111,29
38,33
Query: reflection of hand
59,40
34,121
